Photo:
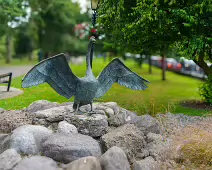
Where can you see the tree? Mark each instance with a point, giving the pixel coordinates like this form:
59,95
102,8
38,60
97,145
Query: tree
55,21
155,26
9,9
23,42
45,24
9,12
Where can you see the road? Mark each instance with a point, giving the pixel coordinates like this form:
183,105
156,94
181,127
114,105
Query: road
16,70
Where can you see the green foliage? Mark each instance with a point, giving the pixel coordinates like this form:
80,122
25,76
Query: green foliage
10,7
55,21
23,42
41,24
9,11
205,90
155,26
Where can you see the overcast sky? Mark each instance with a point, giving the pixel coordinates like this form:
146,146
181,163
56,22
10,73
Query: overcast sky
82,3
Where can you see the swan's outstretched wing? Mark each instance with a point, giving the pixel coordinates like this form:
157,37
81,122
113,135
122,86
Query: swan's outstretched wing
116,71
56,72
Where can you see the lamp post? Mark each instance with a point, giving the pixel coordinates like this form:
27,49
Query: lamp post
94,7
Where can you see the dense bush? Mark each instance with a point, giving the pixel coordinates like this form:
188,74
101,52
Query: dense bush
205,90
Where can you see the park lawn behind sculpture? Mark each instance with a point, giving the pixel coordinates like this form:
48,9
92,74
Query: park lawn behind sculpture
21,62
160,97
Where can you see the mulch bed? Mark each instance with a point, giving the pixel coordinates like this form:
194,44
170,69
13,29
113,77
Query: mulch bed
196,105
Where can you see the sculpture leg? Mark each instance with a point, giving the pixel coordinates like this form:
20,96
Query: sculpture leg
76,107
91,111
91,107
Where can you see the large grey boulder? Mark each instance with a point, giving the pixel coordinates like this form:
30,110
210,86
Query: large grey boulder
156,146
94,125
67,104
37,163
147,123
114,159
66,148
146,164
129,138
26,139
122,117
8,159
10,120
55,114
40,105
51,117
85,163
2,137
67,128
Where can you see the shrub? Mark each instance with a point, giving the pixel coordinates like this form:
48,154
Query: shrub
193,145
205,90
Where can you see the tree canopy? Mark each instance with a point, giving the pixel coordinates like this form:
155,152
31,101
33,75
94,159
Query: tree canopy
41,24
155,26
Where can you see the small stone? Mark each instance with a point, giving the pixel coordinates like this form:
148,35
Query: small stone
146,164
40,105
183,167
129,138
37,163
65,127
8,159
1,110
85,163
26,139
109,112
114,159
69,147
113,106
94,125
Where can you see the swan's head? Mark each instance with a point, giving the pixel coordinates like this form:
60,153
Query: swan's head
92,40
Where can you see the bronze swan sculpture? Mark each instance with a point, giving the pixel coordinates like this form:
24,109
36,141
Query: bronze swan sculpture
56,72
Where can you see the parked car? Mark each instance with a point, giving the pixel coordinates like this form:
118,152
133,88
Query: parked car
173,64
184,66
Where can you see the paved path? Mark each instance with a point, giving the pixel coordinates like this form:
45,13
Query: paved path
4,94
16,70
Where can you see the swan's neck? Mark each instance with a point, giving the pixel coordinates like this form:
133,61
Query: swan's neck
89,59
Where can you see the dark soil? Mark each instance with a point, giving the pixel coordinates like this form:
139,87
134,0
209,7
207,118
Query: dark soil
196,105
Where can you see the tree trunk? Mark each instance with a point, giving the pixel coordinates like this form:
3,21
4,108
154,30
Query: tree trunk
200,62
9,49
30,56
163,67
140,62
150,64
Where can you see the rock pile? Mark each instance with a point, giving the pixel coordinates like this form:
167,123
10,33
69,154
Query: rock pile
53,137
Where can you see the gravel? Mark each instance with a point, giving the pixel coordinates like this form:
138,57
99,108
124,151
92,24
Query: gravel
173,123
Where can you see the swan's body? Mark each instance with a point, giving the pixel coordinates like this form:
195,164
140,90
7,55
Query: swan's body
57,73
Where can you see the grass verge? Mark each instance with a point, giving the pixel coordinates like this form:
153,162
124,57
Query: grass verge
160,97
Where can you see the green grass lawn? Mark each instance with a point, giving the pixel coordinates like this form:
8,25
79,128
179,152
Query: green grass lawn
16,62
160,97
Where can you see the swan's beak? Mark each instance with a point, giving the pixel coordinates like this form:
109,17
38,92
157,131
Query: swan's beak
93,40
